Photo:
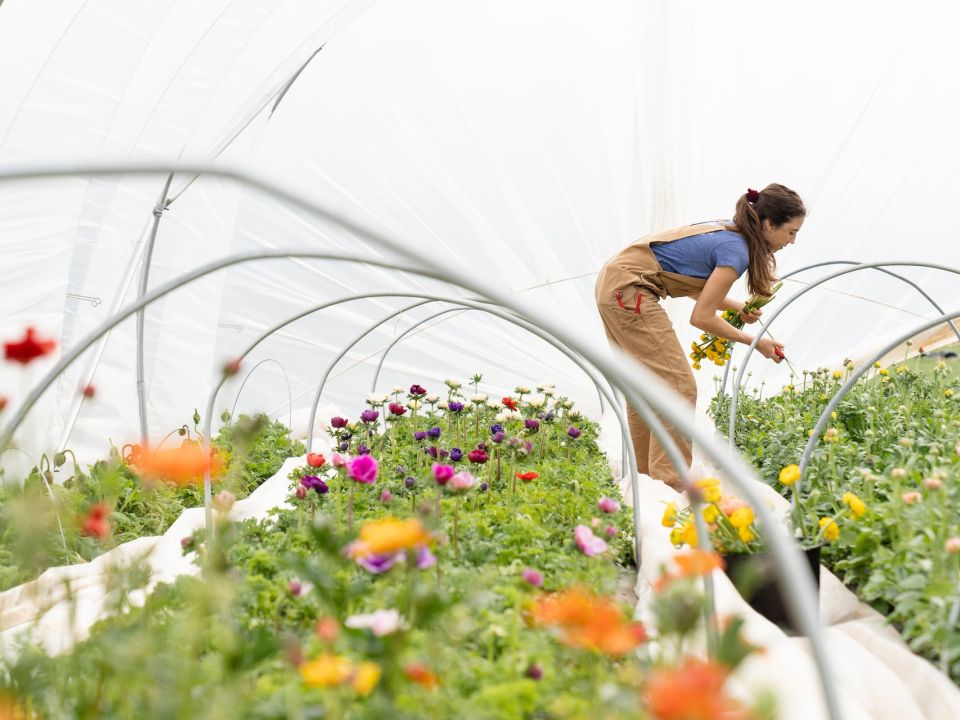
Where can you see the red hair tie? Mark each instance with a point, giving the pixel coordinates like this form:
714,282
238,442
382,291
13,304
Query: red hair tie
752,195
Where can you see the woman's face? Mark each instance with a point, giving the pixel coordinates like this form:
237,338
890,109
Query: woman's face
779,236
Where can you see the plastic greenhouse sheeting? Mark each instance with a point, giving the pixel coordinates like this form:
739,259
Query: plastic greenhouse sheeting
524,142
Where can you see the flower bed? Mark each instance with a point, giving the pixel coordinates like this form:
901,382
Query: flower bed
882,487
449,559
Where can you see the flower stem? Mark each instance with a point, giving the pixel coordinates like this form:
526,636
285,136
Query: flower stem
350,509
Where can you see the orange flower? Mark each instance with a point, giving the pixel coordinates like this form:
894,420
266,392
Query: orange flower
422,675
183,465
589,621
697,562
389,535
326,671
96,524
693,691
528,476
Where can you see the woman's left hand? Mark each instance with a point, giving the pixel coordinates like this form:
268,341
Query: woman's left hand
752,316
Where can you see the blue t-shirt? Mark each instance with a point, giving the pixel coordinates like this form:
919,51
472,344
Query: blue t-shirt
698,255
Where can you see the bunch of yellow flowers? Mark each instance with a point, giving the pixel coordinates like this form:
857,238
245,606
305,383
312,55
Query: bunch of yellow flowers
717,349
730,521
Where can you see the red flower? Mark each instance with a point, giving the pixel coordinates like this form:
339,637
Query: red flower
29,348
422,675
3,403
397,408
417,390
510,403
231,367
316,460
96,524
527,476
89,390
477,456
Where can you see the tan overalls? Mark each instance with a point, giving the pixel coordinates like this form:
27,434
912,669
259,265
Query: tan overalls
629,288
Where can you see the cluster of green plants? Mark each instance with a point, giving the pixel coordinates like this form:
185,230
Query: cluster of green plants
474,584
884,479
41,517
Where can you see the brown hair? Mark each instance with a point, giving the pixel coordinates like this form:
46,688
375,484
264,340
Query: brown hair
776,203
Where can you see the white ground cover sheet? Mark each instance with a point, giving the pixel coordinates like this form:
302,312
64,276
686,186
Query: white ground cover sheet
876,675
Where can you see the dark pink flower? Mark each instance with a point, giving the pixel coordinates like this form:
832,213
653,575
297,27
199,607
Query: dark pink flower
363,469
533,577
442,473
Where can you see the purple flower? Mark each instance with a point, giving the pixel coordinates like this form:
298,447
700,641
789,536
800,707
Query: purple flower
401,470
498,437
419,435
608,505
484,487
534,671
386,496
434,432
338,422
417,391
589,543
362,449
497,428
456,454
443,453
531,424
442,473
514,442
431,451
312,482
295,587
363,469
573,432
547,416
369,416
482,446
454,406
344,446
528,447
379,563
533,577
410,483
425,558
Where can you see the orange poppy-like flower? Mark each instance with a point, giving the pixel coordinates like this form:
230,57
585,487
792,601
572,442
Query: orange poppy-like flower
389,535
692,691
422,675
588,621
527,476
326,671
96,524
182,465
693,563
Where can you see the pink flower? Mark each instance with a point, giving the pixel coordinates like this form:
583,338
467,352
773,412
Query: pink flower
477,456
533,577
952,545
442,473
595,523
363,469
386,497
223,501
589,543
380,622
338,460
462,481
425,558
911,497
608,505
396,408
932,483
730,504
610,531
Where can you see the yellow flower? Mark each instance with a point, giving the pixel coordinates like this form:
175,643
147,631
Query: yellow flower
746,534
948,393
366,677
876,364
884,372
790,474
710,513
902,369
676,536
833,414
831,435
669,515
831,532
689,534
389,535
741,517
326,671
857,508
711,489
837,374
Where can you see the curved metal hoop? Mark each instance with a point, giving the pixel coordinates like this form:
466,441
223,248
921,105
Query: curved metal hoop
738,380
639,385
233,410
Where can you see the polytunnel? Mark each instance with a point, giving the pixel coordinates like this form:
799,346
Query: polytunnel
235,207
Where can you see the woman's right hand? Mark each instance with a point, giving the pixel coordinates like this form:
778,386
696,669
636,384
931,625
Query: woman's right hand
770,349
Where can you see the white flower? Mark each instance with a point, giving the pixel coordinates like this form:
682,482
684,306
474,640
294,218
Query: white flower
431,399
380,622
442,405
452,384
493,404
573,414
413,404
353,426
467,405
398,389
536,401
478,398
521,390
548,391
502,417
375,399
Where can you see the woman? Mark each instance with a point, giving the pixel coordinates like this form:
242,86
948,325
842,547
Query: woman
700,261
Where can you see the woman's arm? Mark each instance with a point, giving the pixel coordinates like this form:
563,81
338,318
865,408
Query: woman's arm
711,299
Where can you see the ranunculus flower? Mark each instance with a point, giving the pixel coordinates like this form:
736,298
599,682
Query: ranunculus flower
932,483
533,577
610,531
462,481
434,432
295,587
442,473
379,622
484,487
369,416
425,558
608,505
573,432
456,454
338,422
396,408
831,531
790,474
510,403
531,424
454,406
363,469
477,456
952,545
588,543
29,349
316,460
223,501
534,671
417,391
911,497
527,476
312,482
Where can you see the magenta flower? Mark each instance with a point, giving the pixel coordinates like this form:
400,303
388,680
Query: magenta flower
419,435
417,391
454,406
363,469
462,481
301,492
386,497
295,587
573,432
369,416
533,577
477,456
312,482
338,422
531,424
608,505
588,543
442,473
396,408
425,558
610,531
338,460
